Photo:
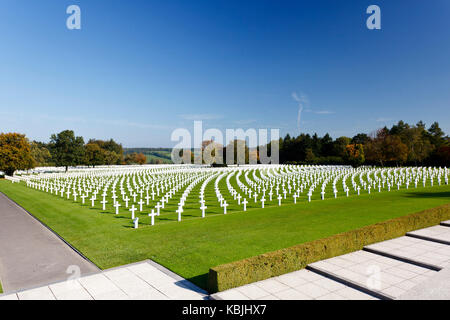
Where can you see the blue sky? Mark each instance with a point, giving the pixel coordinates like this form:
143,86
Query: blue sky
139,69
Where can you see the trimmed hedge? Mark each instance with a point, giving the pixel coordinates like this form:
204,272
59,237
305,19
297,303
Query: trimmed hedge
294,258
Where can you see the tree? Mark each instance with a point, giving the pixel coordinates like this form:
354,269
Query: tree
15,153
94,155
340,146
395,150
310,156
135,158
374,147
360,138
112,150
354,154
399,128
66,149
141,158
111,158
240,152
419,145
436,135
443,155
40,154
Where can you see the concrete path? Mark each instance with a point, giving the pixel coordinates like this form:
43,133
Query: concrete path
432,254
434,288
140,281
298,285
404,268
30,254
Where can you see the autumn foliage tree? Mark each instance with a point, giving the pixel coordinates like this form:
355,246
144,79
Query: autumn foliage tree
141,158
135,158
354,154
15,153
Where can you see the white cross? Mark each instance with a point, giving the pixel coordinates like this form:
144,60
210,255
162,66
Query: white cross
117,205
245,204
295,198
152,215
262,202
93,199
225,205
203,208
133,209
158,206
140,203
279,199
136,222
126,201
103,204
82,198
179,211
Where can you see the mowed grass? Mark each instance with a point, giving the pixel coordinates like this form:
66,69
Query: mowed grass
192,246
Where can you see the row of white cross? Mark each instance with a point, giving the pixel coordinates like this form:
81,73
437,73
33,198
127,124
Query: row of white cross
254,183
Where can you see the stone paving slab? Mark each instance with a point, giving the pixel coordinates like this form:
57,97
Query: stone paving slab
30,254
418,250
139,281
436,233
377,273
436,287
298,285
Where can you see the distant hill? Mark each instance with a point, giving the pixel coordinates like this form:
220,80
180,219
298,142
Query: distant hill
154,155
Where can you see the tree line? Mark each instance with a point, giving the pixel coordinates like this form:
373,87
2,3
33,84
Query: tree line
402,144
65,149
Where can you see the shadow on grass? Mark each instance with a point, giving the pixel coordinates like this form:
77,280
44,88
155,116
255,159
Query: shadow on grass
428,195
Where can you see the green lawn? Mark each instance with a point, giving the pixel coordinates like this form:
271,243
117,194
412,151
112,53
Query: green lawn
192,246
1,289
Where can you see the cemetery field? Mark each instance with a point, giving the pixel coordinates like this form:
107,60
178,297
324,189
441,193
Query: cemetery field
190,247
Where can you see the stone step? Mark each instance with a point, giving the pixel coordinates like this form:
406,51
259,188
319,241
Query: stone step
439,234
377,275
445,223
427,254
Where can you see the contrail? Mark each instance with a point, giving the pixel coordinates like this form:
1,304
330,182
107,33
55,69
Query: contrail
301,101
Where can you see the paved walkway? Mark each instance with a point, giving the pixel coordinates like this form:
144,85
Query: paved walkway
436,234
30,254
410,267
140,281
